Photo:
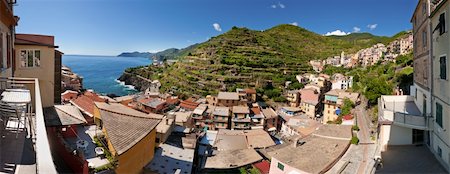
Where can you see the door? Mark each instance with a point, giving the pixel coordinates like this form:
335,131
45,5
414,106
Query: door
418,136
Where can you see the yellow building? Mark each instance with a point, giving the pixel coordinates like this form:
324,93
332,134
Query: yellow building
36,57
130,135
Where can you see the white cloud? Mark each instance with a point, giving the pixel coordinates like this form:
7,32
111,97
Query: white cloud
356,29
294,23
217,27
278,5
337,33
372,26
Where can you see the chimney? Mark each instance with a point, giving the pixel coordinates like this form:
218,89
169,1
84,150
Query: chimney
167,121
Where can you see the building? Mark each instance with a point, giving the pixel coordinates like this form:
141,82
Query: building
440,107
334,99
240,117
401,122
86,104
310,102
130,135
37,58
199,116
229,99
315,153
271,123
339,81
189,104
293,96
221,117
257,117
299,126
151,105
164,129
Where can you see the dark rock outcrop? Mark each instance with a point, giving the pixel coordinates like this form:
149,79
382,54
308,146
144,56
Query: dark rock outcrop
140,83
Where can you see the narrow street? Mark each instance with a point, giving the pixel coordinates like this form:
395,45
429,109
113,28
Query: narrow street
365,140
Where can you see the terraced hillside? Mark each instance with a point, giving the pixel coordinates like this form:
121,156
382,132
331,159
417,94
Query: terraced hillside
247,58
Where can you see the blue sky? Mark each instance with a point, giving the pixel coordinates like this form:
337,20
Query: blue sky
109,27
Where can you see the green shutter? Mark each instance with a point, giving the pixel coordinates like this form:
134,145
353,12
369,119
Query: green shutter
280,166
439,114
443,67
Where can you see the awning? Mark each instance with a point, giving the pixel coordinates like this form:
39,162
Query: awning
272,129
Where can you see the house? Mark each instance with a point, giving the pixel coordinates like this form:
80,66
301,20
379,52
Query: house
333,101
257,117
199,115
229,99
247,94
37,57
151,105
289,111
271,123
189,104
130,135
164,129
126,100
315,153
340,81
293,96
221,117
68,95
86,104
299,126
240,117
310,102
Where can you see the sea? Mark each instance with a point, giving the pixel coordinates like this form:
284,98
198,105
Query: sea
100,73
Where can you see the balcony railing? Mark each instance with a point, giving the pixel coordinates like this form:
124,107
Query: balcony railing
41,147
412,121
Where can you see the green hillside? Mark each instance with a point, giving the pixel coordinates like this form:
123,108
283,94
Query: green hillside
247,58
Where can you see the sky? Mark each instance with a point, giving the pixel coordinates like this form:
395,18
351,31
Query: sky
109,27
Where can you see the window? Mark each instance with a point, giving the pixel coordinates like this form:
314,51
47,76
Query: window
439,114
439,151
280,166
30,58
443,67
424,39
441,24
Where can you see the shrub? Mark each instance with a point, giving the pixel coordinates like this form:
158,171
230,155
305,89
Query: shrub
355,127
354,140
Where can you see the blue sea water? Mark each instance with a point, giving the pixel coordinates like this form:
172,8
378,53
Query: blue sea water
100,73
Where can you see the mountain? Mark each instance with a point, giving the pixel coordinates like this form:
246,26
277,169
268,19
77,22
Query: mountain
135,54
248,58
173,53
367,39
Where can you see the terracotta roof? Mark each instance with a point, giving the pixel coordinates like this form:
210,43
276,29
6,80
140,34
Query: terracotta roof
263,167
228,96
172,101
63,115
256,110
250,91
93,96
189,104
124,131
85,104
309,96
69,95
33,39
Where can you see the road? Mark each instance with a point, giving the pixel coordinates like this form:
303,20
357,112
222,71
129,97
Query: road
364,136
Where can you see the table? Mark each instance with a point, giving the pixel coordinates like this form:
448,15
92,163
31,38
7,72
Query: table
20,98
82,144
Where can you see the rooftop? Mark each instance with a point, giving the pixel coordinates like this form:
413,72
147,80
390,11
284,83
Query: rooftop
33,39
63,115
228,96
221,111
200,109
241,110
124,130
303,126
269,113
403,104
232,159
258,138
292,109
169,158
230,140
309,96
121,109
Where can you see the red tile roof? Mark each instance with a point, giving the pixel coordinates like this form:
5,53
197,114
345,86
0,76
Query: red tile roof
256,110
250,91
172,101
33,39
93,96
69,95
263,166
189,104
85,104
347,117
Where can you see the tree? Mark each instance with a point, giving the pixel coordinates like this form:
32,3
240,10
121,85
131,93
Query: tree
346,107
375,88
295,85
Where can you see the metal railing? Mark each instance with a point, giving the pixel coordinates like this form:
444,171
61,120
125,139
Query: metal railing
44,159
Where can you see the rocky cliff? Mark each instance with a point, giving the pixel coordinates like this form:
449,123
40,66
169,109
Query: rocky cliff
140,83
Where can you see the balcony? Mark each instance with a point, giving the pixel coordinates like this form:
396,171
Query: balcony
19,154
401,111
243,120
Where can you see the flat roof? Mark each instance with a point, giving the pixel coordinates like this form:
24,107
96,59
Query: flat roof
241,109
258,138
221,111
228,96
168,159
63,115
230,140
